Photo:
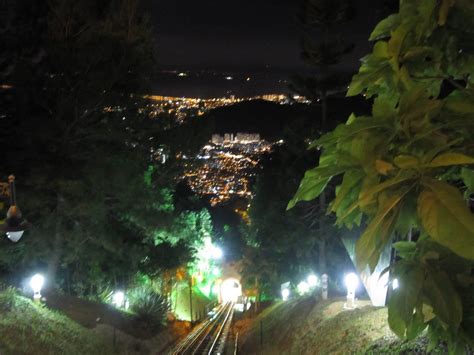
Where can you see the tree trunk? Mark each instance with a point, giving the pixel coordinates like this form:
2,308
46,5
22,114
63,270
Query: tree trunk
324,111
57,248
53,262
322,263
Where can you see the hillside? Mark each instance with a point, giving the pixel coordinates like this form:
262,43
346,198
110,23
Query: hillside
271,119
77,326
305,326
28,328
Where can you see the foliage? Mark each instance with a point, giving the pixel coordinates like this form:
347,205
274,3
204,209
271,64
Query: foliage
83,147
283,246
148,306
405,167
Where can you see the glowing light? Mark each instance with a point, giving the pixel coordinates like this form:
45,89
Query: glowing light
216,253
229,78
285,294
14,236
303,287
230,290
312,280
118,299
36,284
352,281
216,271
395,284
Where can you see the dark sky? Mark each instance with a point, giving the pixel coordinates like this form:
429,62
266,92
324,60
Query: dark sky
242,33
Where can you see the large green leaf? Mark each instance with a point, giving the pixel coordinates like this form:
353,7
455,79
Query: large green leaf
367,196
461,101
405,250
448,159
468,178
385,27
378,232
314,182
443,298
446,217
406,161
444,11
404,301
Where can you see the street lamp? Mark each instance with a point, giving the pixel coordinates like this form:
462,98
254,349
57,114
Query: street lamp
36,284
14,225
352,281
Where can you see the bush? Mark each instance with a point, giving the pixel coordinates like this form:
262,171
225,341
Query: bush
149,307
8,298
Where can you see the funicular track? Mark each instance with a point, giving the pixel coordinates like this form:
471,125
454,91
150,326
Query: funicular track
210,336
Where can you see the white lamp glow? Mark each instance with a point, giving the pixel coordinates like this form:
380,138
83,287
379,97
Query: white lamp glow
216,253
312,280
14,236
352,281
118,299
395,284
36,284
285,294
303,287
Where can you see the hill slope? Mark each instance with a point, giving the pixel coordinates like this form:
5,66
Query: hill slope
28,328
304,326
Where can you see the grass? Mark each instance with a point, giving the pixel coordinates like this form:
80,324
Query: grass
306,326
29,328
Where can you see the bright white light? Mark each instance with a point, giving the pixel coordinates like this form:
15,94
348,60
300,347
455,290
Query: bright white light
395,284
36,283
352,281
230,290
312,280
285,293
303,287
14,236
118,299
216,253
229,78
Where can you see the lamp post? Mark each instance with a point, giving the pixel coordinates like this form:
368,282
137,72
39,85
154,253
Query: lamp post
14,225
351,281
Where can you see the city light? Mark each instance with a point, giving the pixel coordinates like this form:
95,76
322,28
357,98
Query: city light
36,284
312,280
285,294
118,299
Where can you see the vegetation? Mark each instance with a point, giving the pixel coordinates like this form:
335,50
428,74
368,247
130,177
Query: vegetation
407,168
307,326
86,152
283,246
28,328
149,307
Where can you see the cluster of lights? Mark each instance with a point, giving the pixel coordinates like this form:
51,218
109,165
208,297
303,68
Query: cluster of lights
227,167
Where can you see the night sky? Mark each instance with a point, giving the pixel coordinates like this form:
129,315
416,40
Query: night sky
242,33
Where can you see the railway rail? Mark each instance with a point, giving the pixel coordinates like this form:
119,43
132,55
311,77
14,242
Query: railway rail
210,336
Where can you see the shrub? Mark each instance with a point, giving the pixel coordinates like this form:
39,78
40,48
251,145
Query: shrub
148,306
